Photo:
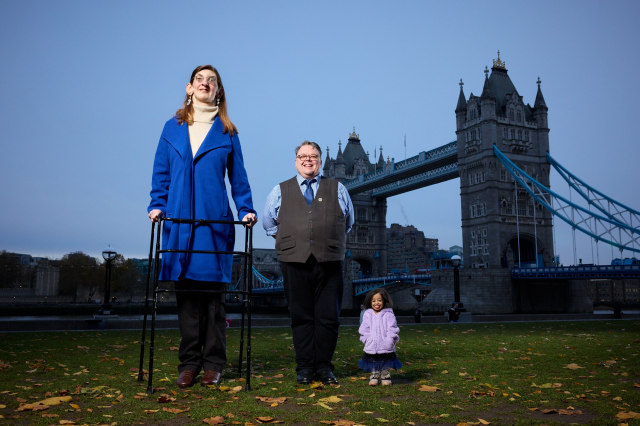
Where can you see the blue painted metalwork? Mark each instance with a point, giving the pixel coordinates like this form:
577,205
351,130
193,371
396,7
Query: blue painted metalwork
578,272
611,208
596,226
442,161
266,285
363,285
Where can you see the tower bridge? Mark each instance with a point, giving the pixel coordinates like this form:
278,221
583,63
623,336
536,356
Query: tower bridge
501,155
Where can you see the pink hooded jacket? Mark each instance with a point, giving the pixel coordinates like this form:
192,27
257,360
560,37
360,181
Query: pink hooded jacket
379,333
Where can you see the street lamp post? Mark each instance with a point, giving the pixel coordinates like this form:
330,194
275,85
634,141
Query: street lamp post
108,254
455,261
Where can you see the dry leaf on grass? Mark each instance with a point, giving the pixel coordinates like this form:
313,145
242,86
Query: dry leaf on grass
270,400
340,422
150,411
550,411
484,422
573,366
425,388
331,398
622,415
267,420
67,422
165,398
175,410
217,420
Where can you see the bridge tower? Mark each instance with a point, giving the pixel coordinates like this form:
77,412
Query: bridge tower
366,243
502,226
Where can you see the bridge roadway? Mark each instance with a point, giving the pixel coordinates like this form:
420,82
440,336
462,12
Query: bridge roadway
584,272
363,285
427,168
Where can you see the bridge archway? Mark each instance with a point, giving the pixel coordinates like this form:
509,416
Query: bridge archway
360,267
527,249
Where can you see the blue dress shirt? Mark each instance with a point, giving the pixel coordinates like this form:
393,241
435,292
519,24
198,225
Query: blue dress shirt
274,200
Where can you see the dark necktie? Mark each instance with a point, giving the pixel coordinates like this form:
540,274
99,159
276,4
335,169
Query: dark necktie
308,194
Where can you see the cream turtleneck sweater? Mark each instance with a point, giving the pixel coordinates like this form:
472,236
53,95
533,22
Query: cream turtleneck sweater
203,117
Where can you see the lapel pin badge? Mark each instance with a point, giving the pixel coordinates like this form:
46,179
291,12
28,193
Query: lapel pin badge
319,199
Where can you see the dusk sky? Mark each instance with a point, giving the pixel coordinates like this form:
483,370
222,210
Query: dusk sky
86,87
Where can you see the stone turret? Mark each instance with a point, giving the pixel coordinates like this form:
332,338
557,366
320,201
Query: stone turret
339,167
461,112
487,100
540,108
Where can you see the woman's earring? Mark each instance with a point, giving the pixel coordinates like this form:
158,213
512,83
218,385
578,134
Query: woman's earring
189,100
217,101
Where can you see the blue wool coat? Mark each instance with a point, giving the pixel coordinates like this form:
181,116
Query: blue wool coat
193,187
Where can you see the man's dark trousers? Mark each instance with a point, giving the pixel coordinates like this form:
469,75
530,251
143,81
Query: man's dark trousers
202,323
314,293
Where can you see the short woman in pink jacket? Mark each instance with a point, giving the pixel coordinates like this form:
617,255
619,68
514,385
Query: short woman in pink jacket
379,333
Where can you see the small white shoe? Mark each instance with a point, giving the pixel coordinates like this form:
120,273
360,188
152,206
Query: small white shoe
385,378
374,378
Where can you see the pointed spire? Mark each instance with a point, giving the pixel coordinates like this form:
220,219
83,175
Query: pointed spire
540,103
339,157
381,158
462,102
327,162
486,90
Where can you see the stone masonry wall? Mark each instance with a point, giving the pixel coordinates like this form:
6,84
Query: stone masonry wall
482,291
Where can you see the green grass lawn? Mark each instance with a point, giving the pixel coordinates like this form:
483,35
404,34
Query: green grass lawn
499,374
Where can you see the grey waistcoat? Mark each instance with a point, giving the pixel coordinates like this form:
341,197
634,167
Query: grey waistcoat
319,230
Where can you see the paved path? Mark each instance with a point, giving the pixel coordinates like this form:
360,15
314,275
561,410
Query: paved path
8,324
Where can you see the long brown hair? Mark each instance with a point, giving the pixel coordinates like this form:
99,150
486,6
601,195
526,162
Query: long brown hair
185,114
386,299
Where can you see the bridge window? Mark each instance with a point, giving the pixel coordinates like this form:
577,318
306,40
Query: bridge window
474,211
362,214
519,115
371,238
531,209
522,208
511,133
373,216
505,134
511,114
503,174
526,135
520,134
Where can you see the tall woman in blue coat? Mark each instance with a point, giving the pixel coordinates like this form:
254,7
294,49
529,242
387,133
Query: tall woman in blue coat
198,146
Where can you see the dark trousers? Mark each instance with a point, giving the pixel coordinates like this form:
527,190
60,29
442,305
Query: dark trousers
202,322
314,293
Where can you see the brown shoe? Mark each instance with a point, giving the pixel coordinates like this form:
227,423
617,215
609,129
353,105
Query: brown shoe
210,378
186,379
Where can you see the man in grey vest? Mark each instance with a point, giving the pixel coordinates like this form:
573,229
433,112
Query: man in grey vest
309,216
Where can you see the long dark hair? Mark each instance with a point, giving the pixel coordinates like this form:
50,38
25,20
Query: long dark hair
386,299
185,114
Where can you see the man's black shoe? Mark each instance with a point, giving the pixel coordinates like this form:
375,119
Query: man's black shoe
305,377
327,377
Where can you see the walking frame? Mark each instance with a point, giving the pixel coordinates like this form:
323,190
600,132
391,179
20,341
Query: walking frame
244,292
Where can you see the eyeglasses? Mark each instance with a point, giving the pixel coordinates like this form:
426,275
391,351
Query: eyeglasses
313,158
210,80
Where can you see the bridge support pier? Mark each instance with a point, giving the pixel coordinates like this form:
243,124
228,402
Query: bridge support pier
487,290
492,291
